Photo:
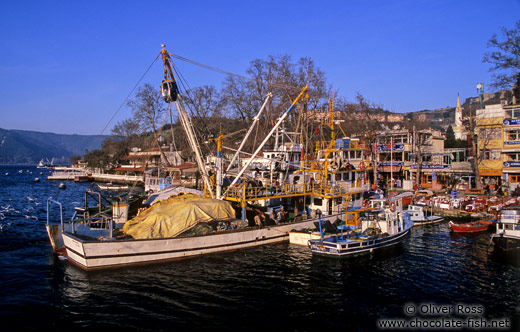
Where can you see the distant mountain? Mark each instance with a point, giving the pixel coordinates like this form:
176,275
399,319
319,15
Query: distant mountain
29,147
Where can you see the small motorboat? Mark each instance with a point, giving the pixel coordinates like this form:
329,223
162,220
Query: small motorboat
471,227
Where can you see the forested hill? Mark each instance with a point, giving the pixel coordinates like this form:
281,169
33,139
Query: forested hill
29,147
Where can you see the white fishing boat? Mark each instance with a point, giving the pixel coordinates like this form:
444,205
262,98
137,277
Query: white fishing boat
419,215
93,248
380,227
507,235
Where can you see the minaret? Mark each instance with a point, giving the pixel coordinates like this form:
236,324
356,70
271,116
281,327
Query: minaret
458,129
458,113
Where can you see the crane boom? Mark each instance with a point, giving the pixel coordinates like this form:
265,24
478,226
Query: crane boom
170,93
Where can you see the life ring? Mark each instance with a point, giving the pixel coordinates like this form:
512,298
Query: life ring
392,206
362,165
366,202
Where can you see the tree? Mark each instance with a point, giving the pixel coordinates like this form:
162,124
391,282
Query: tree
148,110
505,58
450,138
205,102
126,129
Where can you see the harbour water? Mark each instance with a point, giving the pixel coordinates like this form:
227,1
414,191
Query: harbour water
278,287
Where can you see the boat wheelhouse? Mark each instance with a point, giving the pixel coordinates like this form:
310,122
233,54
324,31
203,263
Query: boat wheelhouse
507,235
419,215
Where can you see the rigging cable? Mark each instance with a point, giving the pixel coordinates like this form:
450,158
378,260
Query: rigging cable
124,101
279,85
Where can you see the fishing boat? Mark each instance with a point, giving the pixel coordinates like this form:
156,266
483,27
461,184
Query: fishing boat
212,229
45,164
471,227
420,217
228,216
380,228
507,234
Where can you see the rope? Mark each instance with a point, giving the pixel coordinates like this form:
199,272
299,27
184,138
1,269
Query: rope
124,101
279,85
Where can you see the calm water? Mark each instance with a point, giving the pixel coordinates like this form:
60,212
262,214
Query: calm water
269,288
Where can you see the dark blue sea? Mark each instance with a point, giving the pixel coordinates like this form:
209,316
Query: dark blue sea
278,287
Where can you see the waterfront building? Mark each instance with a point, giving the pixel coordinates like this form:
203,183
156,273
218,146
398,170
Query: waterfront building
498,130
490,142
511,146
397,152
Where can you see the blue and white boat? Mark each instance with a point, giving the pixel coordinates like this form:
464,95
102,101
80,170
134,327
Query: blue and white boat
379,228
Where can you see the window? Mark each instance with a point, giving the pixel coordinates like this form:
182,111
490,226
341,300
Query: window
489,133
513,114
514,178
490,154
515,156
513,135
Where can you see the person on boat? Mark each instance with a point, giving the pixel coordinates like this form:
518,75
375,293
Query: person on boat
259,218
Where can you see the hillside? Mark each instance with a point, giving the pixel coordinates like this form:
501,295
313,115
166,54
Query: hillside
29,147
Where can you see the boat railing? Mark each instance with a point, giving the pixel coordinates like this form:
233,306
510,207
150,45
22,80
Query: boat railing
49,201
101,223
251,193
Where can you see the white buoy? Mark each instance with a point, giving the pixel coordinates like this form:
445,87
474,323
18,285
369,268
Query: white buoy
6,174
62,186
36,180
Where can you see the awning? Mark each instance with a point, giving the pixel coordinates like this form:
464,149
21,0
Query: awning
490,172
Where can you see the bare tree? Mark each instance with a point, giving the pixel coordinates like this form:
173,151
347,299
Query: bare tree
505,58
205,101
126,128
148,110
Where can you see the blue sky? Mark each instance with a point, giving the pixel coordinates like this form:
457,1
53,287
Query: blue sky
67,66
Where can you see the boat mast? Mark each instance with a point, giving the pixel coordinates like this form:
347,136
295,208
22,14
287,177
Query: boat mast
170,94
255,121
278,123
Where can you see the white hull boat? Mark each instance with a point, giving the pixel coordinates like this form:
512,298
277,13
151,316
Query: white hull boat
95,248
419,217
507,235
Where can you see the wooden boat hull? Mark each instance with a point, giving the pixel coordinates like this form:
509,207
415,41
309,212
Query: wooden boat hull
90,255
472,227
340,249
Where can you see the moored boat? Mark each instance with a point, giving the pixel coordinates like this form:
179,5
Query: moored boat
380,228
167,234
507,235
420,217
471,227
